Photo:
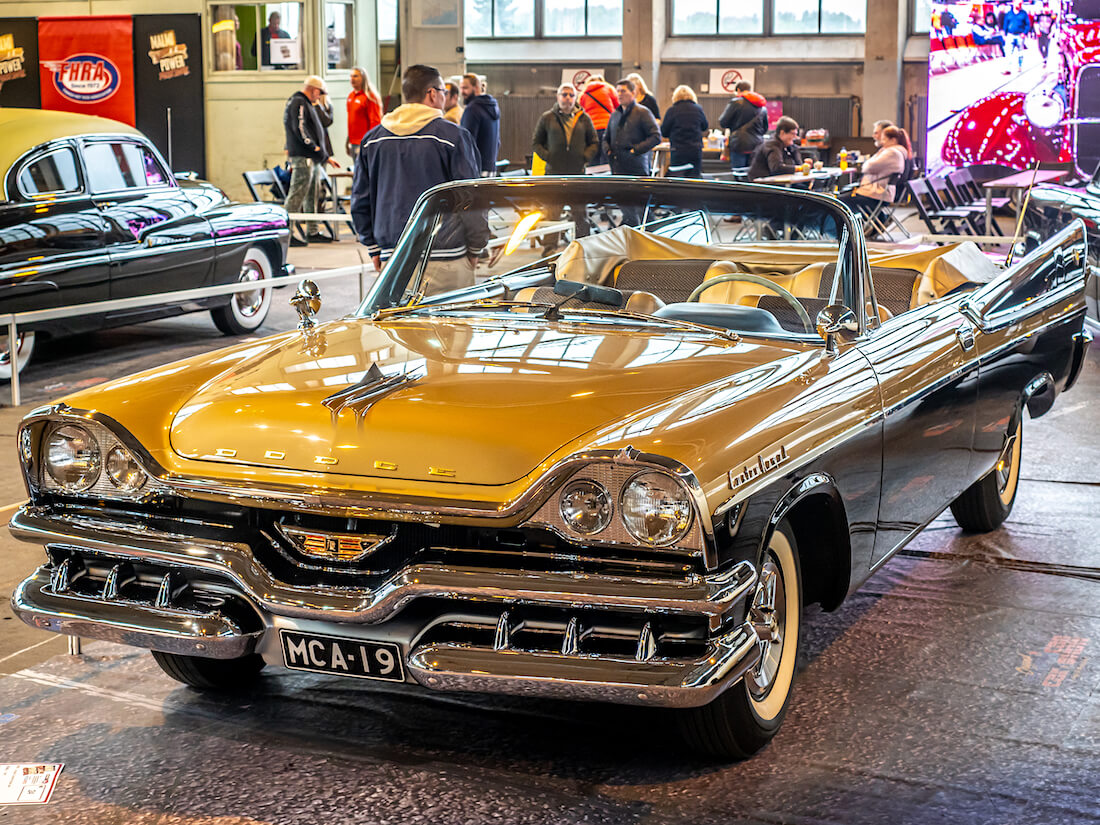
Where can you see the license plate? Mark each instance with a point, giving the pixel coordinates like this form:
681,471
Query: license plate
345,657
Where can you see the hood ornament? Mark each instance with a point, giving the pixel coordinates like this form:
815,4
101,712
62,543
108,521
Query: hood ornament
361,396
307,301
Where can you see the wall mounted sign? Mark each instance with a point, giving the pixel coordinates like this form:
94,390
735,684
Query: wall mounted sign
87,65
11,59
578,77
168,55
723,81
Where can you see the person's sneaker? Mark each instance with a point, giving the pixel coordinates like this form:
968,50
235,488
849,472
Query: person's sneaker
318,238
298,241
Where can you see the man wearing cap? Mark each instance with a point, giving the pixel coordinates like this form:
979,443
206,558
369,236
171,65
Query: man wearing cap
307,150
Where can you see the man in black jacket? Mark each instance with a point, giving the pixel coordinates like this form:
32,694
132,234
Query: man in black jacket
631,134
306,143
778,156
746,118
481,118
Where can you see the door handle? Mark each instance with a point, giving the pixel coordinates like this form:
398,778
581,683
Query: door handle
966,338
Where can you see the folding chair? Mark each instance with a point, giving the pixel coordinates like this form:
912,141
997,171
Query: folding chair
264,177
941,192
939,221
881,217
968,193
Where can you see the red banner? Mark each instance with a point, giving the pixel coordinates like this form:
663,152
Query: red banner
87,65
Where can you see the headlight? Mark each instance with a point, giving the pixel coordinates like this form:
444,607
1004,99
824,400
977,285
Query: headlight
586,506
655,509
73,459
124,472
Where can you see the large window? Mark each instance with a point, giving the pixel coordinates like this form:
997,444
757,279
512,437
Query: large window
544,18
387,21
339,30
768,17
260,36
921,21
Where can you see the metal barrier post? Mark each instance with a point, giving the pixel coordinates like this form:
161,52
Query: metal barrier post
74,646
13,359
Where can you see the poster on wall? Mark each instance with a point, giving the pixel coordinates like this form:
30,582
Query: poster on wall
579,77
86,65
1014,84
19,62
168,87
724,81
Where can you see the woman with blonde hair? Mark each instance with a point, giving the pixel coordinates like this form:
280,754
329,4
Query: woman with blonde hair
364,109
646,97
684,125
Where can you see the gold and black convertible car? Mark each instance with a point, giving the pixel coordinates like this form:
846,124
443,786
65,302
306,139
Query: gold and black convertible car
597,439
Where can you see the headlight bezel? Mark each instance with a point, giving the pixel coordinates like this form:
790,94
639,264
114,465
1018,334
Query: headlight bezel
91,454
686,498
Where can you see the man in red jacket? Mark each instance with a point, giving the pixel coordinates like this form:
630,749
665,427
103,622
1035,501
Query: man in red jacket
746,118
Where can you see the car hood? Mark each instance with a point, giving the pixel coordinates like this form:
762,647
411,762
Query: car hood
470,401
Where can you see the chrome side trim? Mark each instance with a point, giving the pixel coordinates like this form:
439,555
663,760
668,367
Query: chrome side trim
171,630
666,682
712,595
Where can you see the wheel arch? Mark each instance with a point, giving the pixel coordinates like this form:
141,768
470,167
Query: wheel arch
815,510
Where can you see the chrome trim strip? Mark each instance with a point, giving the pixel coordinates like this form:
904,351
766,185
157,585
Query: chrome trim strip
712,595
171,630
664,682
272,235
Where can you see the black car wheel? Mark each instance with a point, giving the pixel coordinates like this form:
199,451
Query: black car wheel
744,719
246,311
24,348
986,503
211,674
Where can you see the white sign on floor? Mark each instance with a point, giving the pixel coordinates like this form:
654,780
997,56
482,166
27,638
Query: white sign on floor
27,784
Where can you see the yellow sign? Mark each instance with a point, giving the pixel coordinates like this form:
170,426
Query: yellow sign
170,56
11,59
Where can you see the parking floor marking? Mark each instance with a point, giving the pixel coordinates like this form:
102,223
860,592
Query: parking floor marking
49,680
32,647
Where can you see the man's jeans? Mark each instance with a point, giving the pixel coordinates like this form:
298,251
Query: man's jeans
305,181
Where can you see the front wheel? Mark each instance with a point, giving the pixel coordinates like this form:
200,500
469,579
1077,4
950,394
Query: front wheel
985,504
24,348
211,674
743,719
246,311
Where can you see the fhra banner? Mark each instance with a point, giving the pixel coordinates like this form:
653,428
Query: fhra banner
86,65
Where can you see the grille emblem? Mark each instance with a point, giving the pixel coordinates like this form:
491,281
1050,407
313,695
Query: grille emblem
346,547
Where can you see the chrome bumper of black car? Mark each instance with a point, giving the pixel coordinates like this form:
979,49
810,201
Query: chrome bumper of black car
594,638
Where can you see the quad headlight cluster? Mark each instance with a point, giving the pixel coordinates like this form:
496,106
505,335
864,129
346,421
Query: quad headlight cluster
80,458
653,507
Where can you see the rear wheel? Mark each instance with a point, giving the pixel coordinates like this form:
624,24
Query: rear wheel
985,504
744,719
246,311
211,674
24,348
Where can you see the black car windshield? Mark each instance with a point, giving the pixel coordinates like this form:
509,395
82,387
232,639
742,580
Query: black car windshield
741,256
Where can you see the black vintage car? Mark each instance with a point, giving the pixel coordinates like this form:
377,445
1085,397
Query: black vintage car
89,211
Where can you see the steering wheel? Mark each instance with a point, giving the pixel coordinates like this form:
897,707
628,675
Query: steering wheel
803,315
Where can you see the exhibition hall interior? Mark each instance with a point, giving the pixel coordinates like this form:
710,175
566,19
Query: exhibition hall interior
549,411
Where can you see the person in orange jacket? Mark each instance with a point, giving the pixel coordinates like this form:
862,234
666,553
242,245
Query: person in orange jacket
364,109
746,118
598,102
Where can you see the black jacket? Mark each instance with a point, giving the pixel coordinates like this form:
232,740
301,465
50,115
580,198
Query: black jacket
684,125
629,138
549,143
650,102
747,122
773,158
305,137
481,118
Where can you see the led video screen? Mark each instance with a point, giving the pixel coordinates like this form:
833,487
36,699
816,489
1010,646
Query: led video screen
1014,83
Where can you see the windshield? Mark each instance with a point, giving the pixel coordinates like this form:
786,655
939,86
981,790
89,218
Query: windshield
740,256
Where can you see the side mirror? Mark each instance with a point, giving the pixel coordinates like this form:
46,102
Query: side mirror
834,322
307,300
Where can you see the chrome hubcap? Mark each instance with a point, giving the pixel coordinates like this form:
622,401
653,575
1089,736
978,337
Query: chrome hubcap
249,303
767,614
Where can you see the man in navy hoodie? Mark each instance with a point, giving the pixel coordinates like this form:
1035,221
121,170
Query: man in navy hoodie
481,118
412,150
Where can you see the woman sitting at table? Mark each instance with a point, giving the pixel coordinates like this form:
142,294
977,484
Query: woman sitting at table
684,125
778,155
874,182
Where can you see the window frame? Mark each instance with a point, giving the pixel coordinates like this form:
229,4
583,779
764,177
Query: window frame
337,71
539,29
768,28
912,28
42,154
170,181
306,40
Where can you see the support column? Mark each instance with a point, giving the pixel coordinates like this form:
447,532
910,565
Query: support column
884,43
643,38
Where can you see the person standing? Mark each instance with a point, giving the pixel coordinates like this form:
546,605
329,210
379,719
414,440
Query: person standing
684,125
272,32
1044,26
746,120
645,97
364,109
566,139
451,110
778,156
481,118
412,150
1016,26
306,139
631,134
598,101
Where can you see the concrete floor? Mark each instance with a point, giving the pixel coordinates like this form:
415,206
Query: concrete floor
960,685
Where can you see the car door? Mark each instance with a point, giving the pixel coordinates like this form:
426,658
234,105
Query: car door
158,242
51,237
927,366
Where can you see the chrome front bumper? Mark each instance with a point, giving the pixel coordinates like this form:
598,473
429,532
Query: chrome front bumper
235,590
